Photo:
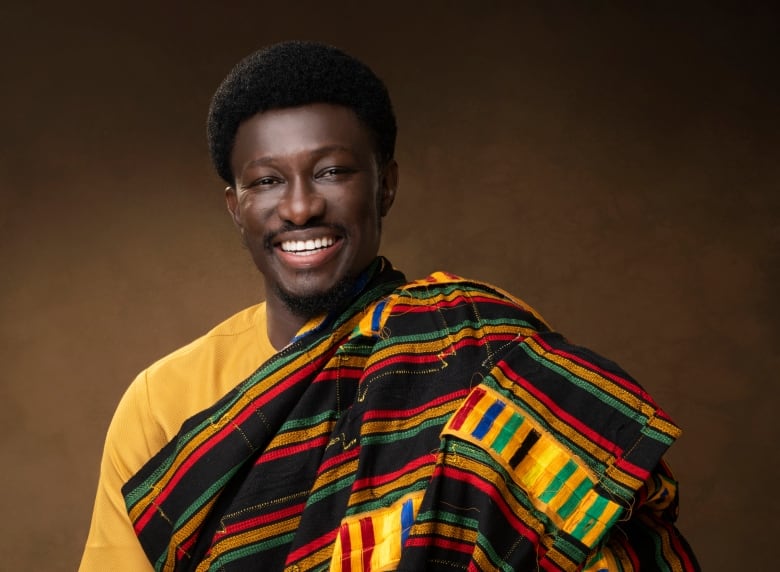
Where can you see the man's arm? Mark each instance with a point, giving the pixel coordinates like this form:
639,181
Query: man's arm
112,544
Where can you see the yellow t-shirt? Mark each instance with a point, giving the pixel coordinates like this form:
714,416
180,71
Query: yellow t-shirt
151,412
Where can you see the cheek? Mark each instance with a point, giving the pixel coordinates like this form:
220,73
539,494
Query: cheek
256,214
364,207
370,225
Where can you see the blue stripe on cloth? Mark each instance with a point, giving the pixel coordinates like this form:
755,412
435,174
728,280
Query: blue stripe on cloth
487,419
376,318
407,519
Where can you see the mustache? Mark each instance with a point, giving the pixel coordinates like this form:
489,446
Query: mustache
270,237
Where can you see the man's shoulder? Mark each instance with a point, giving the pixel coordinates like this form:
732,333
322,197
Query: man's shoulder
243,329
444,299
440,285
182,383
442,280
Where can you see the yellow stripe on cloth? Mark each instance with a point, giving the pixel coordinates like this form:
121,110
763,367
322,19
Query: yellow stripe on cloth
388,529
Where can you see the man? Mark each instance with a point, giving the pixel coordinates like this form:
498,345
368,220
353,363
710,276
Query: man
358,421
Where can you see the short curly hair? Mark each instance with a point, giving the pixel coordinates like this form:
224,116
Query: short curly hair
290,74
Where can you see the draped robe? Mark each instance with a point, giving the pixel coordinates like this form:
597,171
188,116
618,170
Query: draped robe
432,425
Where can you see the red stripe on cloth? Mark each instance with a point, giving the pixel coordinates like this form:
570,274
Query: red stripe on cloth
402,359
340,372
367,537
338,459
346,548
311,547
377,480
402,308
185,546
403,413
292,449
423,541
275,516
467,408
631,468
407,358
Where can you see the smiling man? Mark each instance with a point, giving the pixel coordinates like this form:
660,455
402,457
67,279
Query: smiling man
308,194
355,420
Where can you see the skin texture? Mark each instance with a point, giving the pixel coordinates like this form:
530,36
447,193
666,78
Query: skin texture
307,173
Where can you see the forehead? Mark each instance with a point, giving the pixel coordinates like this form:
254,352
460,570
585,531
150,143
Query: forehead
293,131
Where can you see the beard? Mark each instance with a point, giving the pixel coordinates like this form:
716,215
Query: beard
310,305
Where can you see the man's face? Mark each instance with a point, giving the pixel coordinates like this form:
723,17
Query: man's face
308,199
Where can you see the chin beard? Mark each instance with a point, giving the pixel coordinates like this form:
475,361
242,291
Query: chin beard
311,305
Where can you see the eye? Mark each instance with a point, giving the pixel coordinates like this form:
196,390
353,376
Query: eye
264,182
334,173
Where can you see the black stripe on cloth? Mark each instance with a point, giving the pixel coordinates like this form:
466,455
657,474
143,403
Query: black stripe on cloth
529,441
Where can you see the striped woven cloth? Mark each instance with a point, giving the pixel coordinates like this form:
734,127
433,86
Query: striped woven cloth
434,425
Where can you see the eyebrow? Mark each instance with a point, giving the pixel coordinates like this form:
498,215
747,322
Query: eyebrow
267,160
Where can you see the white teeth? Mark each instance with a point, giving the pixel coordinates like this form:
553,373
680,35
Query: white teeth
307,246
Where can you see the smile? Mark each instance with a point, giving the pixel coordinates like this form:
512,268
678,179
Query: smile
310,246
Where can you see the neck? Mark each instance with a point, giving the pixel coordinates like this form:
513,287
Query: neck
281,323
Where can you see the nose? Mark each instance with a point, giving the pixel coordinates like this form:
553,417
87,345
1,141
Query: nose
301,203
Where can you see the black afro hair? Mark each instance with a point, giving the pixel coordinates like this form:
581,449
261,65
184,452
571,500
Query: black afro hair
290,74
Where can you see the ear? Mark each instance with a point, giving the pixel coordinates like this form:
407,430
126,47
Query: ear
231,200
388,186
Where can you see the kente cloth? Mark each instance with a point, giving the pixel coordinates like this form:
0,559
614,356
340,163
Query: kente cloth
432,425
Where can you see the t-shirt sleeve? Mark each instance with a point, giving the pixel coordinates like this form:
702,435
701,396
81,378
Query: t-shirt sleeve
133,437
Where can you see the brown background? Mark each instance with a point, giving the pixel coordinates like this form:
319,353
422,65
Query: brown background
616,167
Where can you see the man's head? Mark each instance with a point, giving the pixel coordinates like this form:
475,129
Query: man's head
291,74
304,136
